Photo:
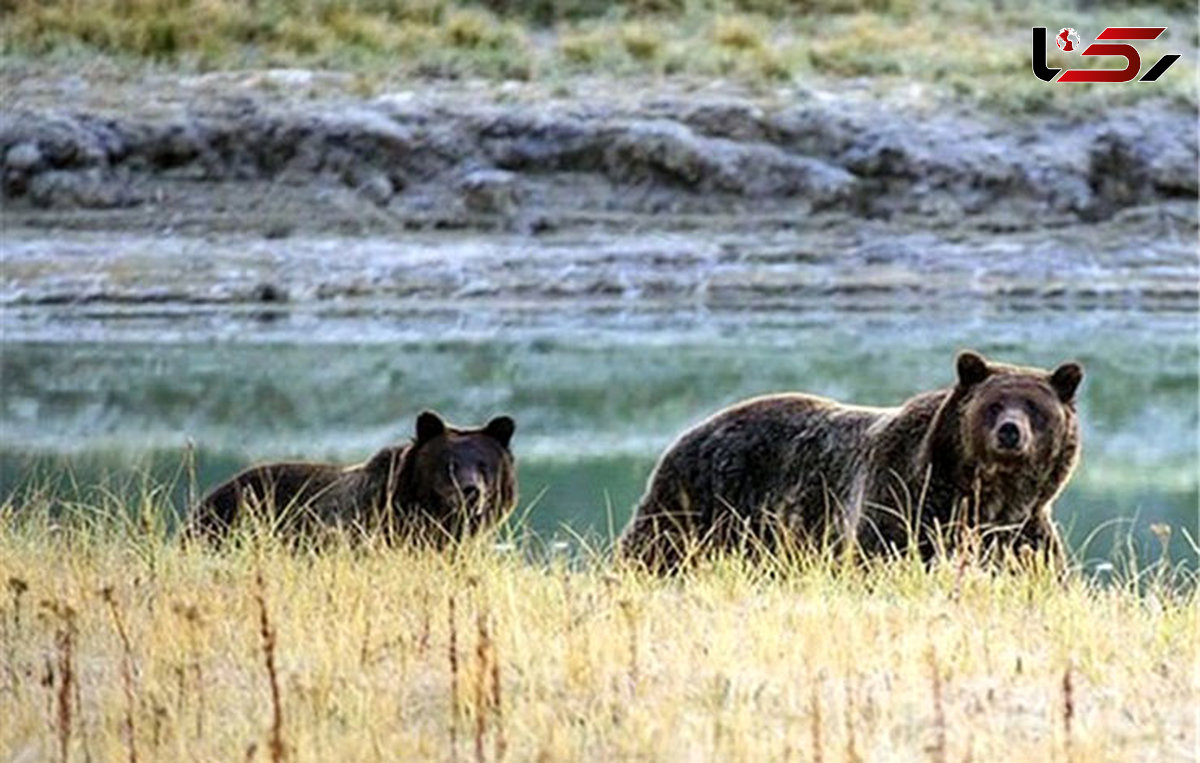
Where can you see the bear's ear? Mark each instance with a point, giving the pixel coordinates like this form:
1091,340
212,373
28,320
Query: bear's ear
501,429
429,426
1065,380
972,368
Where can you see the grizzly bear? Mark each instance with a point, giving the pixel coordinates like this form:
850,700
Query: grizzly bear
990,453
444,485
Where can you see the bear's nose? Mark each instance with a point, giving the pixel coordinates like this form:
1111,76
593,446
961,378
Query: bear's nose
470,496
1008,435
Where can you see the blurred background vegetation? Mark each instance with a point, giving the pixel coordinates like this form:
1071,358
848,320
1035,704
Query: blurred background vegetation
970,48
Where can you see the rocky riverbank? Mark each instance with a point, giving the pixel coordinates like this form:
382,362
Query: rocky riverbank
215,148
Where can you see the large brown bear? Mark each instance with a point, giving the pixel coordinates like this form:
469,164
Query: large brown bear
991,452
444,485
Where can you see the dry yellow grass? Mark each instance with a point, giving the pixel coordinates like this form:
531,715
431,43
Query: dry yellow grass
116,638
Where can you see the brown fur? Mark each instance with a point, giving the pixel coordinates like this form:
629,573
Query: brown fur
445,484
805,470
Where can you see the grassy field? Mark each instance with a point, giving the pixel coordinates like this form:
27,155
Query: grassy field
117,643
979,51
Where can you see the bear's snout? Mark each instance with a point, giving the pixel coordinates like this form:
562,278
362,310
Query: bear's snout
1011,435
471,495
1008,436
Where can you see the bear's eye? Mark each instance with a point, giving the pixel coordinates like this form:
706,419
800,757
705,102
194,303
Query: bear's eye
994,410
1037,417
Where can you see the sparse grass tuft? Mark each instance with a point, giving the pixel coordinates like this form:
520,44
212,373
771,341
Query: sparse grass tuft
471,29
641,41
737,33
583,48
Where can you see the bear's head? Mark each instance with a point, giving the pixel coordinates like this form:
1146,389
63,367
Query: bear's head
1017,434
454,482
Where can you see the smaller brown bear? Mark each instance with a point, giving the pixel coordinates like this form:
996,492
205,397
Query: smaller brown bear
444,485
990,453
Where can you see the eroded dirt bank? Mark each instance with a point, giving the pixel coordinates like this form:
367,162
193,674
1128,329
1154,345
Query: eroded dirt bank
454,157
285,186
